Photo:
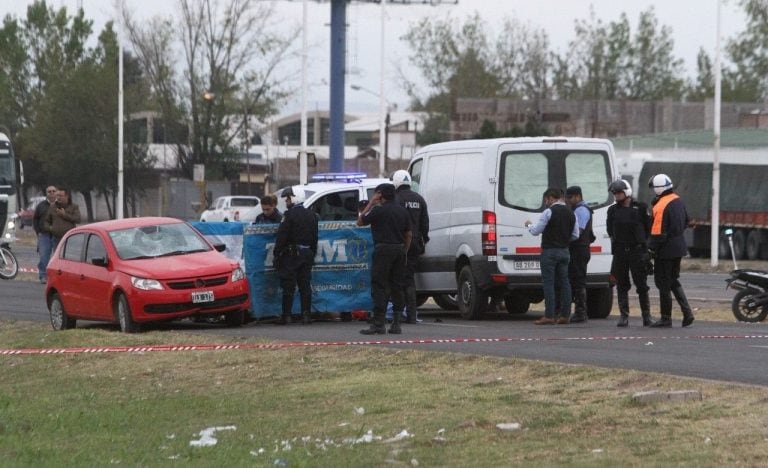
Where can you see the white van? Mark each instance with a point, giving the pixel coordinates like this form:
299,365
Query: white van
481,192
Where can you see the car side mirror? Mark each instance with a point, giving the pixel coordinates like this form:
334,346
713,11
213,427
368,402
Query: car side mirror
100,261
220,247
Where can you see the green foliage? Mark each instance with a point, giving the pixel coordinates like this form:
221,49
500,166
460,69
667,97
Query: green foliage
609,62
749,54
230,52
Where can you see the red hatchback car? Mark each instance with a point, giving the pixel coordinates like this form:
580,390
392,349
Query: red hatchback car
138,270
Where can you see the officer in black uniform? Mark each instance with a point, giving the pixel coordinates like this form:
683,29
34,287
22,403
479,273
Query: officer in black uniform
294,254
416,207
579,251
628,224
391,232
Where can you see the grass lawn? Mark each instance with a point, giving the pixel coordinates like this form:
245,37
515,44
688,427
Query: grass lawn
351,406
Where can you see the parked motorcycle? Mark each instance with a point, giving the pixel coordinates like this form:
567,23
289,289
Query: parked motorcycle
750,304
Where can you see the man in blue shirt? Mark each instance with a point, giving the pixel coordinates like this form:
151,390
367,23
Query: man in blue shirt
558,227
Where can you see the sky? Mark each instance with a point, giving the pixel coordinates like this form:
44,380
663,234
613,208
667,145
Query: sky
693,23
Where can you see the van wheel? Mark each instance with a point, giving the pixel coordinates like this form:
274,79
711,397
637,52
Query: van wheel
472,301
755,244
516,304
599,302
446,301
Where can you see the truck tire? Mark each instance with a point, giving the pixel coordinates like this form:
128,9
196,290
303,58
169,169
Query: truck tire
755,245
599,302
472,301
739,244
723,248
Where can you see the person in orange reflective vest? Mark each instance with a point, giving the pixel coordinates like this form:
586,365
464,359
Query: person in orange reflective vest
669,219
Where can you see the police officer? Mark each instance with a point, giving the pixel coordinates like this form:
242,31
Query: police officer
628,224
416,207
669,220
295,250
391,232
579,250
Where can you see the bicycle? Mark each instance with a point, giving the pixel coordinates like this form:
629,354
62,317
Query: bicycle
9,264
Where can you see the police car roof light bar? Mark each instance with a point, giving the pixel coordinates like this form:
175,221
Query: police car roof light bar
339,176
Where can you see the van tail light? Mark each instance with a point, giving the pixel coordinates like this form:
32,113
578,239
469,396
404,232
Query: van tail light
489,233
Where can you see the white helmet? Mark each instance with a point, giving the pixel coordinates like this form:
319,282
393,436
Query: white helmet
401,177
621,185
660,183
297,194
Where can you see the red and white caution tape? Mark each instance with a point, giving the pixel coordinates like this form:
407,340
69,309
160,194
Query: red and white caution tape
309,344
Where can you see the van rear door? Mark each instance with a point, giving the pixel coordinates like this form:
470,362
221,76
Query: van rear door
525,171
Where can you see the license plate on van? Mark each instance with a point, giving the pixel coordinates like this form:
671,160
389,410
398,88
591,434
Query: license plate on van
526,265
202,296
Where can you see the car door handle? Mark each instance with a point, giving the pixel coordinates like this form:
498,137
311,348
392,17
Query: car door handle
82,276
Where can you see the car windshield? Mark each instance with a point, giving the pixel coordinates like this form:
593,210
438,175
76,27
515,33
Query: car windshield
159,240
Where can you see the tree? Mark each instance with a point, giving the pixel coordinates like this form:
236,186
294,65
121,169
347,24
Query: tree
656,73
749,54
230,56
76,127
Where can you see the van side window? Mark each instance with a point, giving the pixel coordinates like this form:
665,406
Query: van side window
524,177
590,171
416,174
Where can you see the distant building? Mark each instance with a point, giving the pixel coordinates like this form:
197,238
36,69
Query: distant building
601,118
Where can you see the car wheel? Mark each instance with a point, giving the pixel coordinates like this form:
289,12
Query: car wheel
516,304
599,302
59,318
446,301
472,301
235,319
124,317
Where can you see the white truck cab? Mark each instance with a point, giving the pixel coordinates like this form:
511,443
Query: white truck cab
479,195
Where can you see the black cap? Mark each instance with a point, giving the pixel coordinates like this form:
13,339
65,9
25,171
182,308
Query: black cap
387,191
287,193
573,190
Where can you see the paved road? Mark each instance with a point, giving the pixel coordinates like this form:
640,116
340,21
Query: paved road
733,352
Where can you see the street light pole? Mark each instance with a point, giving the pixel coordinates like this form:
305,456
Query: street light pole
383,107
384,120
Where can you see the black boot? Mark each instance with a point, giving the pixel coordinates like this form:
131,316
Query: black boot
374,330
283,320
410,304
663,322
623,319
395,327
645,307
682,301
622,297
377,327
580,306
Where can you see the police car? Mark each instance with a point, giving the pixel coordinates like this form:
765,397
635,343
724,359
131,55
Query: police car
335,196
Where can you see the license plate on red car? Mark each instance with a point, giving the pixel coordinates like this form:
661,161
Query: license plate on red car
202,296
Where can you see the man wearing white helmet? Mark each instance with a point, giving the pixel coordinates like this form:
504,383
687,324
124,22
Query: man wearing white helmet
294,253
416,207
628,224
666,243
